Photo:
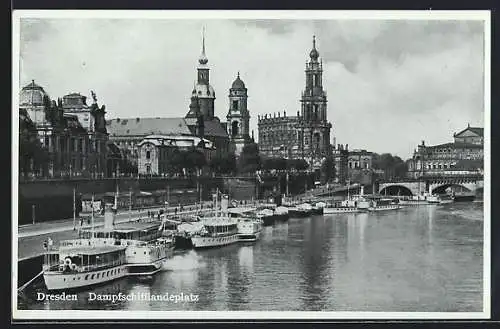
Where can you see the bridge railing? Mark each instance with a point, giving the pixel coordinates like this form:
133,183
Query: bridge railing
432,177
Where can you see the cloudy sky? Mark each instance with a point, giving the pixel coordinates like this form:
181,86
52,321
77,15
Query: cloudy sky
390,83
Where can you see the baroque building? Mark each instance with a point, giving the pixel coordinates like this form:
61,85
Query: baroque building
341,159
68,145
238,117
463,156
306,135
200,121
201,117
156,151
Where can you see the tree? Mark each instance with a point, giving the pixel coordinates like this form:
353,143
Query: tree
223,165
249,161
193,159
176,161
328,169
393,166
297,164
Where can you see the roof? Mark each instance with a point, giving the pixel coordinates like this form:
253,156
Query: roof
147,126
476,130
32,95
238,83
175,140
456,146
211,127
94,250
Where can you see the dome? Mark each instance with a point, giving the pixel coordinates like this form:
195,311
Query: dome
32,95
203,91
203,60
238,83
314,53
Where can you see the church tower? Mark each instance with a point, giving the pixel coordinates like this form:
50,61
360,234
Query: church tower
238,117
314,120
203,94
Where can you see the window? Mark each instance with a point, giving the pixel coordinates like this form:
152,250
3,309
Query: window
234,128
87,277
235,105
148,155
92,278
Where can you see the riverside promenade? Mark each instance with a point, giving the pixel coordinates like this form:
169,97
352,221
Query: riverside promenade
31,236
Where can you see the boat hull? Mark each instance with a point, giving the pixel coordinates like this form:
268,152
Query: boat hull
57,281
299,213
346,210
183,242
144,269
385,208
211,242
248,237
464,198
318,211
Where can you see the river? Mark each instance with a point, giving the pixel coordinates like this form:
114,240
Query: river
417,259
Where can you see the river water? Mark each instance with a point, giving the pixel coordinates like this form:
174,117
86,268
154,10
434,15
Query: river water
421,259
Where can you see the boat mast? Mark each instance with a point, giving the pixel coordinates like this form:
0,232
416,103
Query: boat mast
217,203
348,186
130,204
74,208
116,199
92,217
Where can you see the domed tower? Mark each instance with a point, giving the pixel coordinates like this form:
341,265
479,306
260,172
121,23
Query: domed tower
35,101
315,123
203,91
238,117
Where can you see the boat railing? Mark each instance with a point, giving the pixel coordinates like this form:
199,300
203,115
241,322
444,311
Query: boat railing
67,244
61,268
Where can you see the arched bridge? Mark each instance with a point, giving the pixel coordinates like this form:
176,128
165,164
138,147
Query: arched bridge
438,185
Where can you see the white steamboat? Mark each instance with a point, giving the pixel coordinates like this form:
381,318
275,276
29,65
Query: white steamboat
217,231
82,266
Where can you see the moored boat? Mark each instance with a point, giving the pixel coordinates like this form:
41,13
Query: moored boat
341,207
81,266
318,208
219,230
464,196
302,210
281,213
383,205
216,232
433,199
249,229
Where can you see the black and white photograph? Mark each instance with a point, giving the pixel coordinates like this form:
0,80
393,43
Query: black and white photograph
250,164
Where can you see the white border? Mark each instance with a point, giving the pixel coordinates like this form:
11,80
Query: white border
257,14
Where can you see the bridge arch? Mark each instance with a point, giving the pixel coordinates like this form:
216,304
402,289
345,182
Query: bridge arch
396,190
441,189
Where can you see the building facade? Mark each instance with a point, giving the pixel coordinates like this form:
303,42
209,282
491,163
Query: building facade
129,132
306,135
156,152
71,146
464,155
360,167
238,116
341,159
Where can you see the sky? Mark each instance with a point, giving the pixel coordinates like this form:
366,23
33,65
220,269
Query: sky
390,83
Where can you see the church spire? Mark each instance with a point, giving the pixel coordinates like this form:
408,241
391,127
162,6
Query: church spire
203,58
314,52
